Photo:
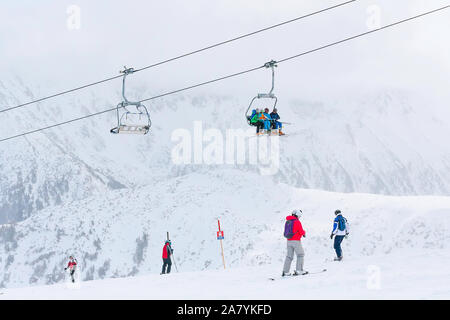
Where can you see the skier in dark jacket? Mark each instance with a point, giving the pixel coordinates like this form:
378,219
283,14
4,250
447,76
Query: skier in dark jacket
167,252
277,125
340,231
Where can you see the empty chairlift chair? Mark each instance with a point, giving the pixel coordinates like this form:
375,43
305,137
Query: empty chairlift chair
135,120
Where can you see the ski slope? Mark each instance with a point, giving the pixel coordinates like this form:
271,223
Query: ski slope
414,276
120,235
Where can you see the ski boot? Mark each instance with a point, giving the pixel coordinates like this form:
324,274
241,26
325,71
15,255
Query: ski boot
338,258
285,274
281,133
300,273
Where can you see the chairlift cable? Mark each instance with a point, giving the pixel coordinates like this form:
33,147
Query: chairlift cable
180,56
233,75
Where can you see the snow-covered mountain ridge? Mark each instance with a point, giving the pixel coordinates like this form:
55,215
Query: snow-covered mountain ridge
384,143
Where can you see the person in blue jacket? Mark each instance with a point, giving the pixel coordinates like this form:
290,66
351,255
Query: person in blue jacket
340,231
267,120
277,125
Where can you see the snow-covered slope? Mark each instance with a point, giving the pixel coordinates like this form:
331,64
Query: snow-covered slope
385,143
413,276
121,233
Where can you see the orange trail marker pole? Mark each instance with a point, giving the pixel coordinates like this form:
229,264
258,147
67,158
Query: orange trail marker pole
220,237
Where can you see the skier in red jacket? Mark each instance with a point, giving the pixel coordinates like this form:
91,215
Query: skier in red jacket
72,266
167,252
293,231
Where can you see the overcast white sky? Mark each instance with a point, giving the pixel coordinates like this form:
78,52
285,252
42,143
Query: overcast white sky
37,45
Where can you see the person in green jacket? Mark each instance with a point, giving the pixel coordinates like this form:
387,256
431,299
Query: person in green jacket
256,121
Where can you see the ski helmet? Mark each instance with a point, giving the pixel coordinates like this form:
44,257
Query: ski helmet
275,109
337,212
257,110
297,213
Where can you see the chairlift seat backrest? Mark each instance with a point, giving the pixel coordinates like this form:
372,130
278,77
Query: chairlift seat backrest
266,95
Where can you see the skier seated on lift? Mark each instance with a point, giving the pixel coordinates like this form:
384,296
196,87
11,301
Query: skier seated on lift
260,120
72,265
167,252
255,120
268,119
277,125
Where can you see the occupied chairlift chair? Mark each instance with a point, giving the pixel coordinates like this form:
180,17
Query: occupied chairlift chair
271,64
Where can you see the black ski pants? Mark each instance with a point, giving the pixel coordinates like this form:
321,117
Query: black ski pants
167,262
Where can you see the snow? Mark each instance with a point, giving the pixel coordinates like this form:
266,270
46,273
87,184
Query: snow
109,199
121,234
414,276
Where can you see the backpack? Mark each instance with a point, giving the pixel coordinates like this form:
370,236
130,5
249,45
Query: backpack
289,229
341,223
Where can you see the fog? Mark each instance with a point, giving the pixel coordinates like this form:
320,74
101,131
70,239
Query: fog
38,44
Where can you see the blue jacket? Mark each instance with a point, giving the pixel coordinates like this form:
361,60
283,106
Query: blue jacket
275,116
336,230
267,116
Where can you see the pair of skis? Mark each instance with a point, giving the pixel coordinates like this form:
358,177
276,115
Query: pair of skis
299,275
174,263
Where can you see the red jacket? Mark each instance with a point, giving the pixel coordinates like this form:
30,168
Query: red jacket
165,253
71,264
298,229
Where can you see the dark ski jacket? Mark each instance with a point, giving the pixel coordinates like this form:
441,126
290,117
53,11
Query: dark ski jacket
275,116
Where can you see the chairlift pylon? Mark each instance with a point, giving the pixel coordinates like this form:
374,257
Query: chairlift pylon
271,64
124,124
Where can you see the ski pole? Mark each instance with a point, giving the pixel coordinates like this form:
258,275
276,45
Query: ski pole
174,263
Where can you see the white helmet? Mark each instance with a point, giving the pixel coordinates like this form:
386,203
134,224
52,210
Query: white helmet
297,212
